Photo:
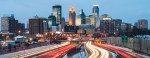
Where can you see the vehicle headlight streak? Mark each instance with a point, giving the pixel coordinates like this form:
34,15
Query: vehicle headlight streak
28,54
57,53
124,53
96,52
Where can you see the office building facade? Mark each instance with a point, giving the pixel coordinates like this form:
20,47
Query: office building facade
72,16
78,20
142,24
57,12
37,25
105,24
82,15
5,24
51,22
116,26
92,20
95,12
10,25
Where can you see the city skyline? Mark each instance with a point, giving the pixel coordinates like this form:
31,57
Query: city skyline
23,10
74,29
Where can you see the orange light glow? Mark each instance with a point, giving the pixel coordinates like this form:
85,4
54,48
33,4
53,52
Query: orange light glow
72,9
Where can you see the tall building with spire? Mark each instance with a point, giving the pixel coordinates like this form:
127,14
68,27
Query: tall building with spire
95,12
57,12
72,16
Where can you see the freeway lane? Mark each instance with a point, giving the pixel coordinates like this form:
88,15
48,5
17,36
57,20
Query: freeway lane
123,53
36,52
57,53
96,52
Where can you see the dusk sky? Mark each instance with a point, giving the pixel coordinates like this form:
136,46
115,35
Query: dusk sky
127,10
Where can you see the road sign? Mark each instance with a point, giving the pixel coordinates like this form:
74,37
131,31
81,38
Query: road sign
124,39
74,42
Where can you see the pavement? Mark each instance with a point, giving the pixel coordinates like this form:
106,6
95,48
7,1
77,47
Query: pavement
23,51
97,52
33,51
21,47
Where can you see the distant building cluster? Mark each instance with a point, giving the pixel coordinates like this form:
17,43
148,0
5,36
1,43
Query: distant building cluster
142,24
78,23
10,25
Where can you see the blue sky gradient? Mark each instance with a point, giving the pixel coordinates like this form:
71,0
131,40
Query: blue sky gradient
127,10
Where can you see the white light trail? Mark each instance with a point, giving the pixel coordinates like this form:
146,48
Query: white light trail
96,52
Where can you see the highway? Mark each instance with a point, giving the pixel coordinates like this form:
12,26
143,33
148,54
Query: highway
97,52
36,52
57,53
123,53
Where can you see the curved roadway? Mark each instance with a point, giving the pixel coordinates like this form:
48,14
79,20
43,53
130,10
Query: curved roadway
96,52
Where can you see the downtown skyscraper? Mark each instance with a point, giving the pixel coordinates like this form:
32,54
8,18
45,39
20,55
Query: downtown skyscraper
95,12
82,15
72,16
78,20
51,22
37,25
57,12
92,20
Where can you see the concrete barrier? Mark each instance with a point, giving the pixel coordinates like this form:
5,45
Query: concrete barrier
138,44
